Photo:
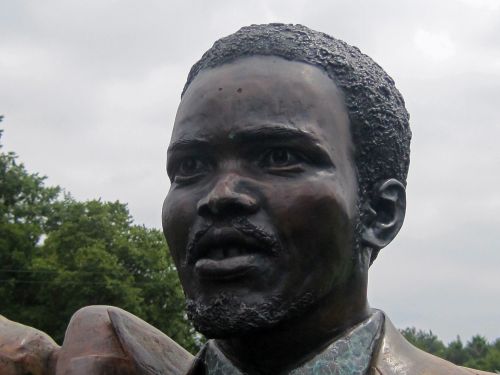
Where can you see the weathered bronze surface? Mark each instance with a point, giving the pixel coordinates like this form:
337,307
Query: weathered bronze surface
25,350
288,165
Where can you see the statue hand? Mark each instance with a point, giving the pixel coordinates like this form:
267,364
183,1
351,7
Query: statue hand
99,340
102,340
25,350
92,347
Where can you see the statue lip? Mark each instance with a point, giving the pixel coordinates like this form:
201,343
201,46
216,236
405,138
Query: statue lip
221,244
227,268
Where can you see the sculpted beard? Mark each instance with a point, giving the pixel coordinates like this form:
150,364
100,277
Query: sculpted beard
226,315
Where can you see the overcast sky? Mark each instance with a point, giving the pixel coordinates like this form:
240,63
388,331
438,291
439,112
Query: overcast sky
89,91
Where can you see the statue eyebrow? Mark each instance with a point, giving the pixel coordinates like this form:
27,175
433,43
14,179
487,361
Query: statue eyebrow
259,134
182,144
282,134
251,133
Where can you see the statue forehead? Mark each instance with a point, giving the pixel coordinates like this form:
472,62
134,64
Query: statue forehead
258,86
265,66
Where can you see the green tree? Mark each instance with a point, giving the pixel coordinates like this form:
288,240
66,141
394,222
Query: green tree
492,359
95,255
477,349
426,341
58,254
456,353
25,205
477,353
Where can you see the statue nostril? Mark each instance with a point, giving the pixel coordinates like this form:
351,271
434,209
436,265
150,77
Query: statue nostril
233,204
229,196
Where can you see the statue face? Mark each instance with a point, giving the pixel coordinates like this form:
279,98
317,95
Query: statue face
262,211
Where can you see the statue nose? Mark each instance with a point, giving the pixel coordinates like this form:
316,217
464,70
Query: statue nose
228,198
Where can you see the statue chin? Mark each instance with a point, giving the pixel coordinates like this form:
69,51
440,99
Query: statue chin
227,316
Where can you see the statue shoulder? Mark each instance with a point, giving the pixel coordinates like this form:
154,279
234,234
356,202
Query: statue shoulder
397,356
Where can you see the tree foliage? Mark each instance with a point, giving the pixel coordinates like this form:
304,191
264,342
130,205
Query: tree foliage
58,254
477,353
426,341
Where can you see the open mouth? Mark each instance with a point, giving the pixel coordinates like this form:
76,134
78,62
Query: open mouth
225,253
219,253
226,268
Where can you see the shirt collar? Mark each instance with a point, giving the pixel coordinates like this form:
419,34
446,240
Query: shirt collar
349,354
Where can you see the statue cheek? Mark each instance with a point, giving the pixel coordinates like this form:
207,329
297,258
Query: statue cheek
312,213
178,215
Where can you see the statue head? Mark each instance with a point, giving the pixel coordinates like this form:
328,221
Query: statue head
288,165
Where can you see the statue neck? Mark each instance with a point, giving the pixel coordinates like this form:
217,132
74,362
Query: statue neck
280,348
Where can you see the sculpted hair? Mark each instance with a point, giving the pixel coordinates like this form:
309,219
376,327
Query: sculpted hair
379,120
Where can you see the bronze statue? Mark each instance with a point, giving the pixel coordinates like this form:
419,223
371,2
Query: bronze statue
288,166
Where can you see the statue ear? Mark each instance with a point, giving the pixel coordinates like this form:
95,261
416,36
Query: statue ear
384,214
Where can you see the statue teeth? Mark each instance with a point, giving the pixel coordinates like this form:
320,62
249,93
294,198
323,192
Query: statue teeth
232,252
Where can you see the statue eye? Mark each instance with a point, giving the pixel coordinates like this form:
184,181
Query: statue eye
190,167
280,158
